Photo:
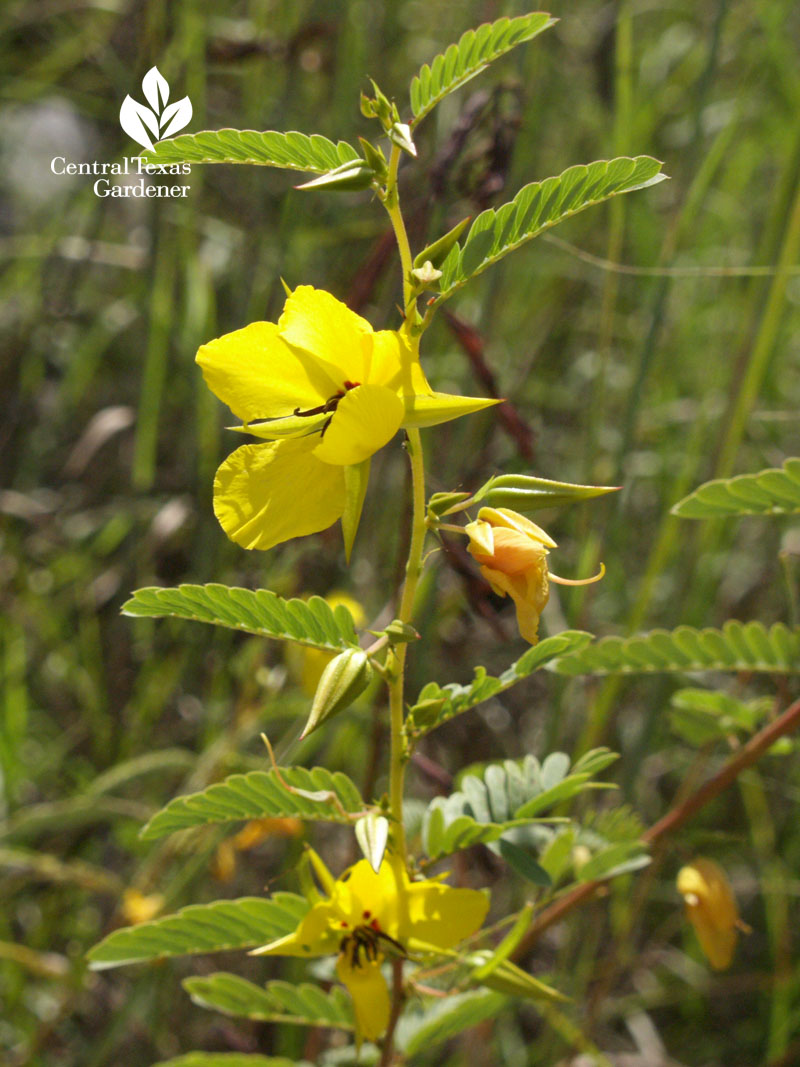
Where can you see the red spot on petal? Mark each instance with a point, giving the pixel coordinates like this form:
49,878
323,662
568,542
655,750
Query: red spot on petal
367,914
343,924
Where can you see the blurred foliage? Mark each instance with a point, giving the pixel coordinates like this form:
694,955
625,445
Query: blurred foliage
656,379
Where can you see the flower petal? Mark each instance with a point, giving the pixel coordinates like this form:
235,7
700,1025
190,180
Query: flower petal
711,909
530,593
422,411
265,494
256,374
367,986
366,418
318,934
442,916
325,328
395,364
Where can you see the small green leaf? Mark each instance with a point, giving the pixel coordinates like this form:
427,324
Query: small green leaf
226,924
256,611
436,252
440,503
475,50
520,860
290,151
349,177
773,491
507,978
611,862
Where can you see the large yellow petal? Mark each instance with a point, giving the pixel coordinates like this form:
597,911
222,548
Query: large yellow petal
442,916
366,418
367,986
256,374
395,364
265,494
322,326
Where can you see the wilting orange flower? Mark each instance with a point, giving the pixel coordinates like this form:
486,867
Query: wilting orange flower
512,552
711,909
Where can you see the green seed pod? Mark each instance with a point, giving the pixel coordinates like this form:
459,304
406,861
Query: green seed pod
345,678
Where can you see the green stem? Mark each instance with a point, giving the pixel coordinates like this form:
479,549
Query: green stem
392,205
397,660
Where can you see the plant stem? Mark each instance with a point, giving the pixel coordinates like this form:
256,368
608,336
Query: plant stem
675,818
397,1007
397,660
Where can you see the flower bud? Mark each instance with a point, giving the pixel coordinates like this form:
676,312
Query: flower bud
345,678
711,909
512,552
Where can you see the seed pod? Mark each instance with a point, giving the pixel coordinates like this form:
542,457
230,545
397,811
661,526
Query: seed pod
345,678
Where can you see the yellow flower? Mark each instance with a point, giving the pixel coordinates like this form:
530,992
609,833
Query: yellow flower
138,908
711,909
326,392
367,916
512,552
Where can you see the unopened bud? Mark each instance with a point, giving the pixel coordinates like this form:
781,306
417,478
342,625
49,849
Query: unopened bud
427,275
345,678
400,134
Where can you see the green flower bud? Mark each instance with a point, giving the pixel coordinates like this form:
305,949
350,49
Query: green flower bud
345,678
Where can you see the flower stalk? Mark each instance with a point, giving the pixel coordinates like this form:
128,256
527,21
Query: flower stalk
397,659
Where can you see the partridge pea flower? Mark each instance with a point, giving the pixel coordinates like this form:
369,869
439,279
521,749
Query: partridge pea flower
512,552
325,391
711,909
367,917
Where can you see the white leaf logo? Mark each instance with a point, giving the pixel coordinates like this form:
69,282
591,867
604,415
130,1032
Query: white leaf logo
148,124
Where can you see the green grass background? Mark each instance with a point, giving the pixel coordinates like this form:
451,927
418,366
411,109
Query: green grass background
654,379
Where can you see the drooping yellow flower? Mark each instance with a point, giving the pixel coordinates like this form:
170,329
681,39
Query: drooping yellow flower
326,392
367,917
512,552
711,909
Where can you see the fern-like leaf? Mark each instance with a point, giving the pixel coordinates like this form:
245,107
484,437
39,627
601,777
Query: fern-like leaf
506,795
438,704
290,151
257,611
475,50
225,924
324,796
536,208
303,1004
774,491
736,647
